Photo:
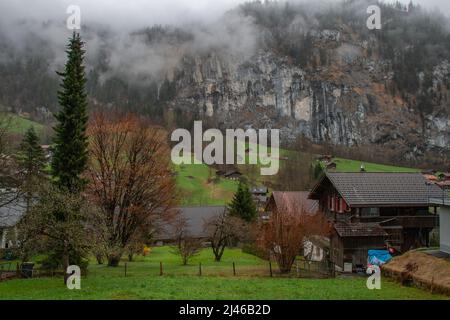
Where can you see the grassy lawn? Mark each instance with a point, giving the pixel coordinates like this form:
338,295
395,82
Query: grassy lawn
193,181
347,165
182,282
19,125
197,186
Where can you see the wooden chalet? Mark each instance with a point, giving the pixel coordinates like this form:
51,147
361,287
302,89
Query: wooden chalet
232,175
372,210
259,196
331,166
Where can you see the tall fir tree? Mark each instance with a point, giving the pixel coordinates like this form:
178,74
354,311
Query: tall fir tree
32,163
242,205
70,144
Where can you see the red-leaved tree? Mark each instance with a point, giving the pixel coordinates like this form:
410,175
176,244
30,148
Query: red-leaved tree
131,180
283,235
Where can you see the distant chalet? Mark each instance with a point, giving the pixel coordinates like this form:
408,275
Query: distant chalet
372,210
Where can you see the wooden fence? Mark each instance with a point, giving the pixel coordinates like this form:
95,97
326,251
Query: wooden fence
313,269
300,269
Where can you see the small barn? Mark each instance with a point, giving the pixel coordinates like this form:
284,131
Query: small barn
259,195
351,241
232,175
331,166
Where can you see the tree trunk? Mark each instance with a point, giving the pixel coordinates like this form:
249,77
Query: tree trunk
218,253
130,257
113,260
99,258
65,261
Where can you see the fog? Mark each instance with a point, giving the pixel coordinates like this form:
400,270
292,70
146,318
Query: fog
132,14
39,28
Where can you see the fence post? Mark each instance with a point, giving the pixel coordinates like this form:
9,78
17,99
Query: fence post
125,269
199,268
270,268
160,269
234,269
333,269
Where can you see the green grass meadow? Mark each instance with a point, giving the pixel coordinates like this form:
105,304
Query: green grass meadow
198,184
252,281
19,125
347,165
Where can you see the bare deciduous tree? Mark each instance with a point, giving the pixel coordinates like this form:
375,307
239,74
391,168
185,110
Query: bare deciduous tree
186,245
284,234
222,231
130,178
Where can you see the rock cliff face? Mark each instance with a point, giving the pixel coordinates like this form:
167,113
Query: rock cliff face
345,103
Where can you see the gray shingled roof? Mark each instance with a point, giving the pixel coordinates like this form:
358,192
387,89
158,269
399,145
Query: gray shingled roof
366,189
359,230
10,214
195,218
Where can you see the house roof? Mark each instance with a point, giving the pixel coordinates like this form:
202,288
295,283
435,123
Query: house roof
446,175
232,173
294,199
259,190
11,213
363,189
430,177
443,184
359,229
195,218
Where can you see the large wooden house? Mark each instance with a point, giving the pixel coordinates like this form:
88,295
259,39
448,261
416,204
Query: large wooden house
372,210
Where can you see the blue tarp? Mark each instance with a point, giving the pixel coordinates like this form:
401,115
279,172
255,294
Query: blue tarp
378,257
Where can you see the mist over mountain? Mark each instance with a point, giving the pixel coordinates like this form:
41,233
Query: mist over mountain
311,69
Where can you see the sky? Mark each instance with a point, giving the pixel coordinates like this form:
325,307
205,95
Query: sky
132,14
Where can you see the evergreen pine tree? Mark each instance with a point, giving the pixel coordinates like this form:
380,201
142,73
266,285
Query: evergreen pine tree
70,144
242,205
31,161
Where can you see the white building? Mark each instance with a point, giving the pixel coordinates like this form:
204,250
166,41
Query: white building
444,223
10,215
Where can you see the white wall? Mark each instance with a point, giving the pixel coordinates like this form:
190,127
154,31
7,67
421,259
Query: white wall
2,238
444,231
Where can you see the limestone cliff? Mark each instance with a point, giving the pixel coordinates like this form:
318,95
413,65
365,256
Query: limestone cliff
345,103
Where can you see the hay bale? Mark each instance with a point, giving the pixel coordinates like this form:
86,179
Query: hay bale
421,270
